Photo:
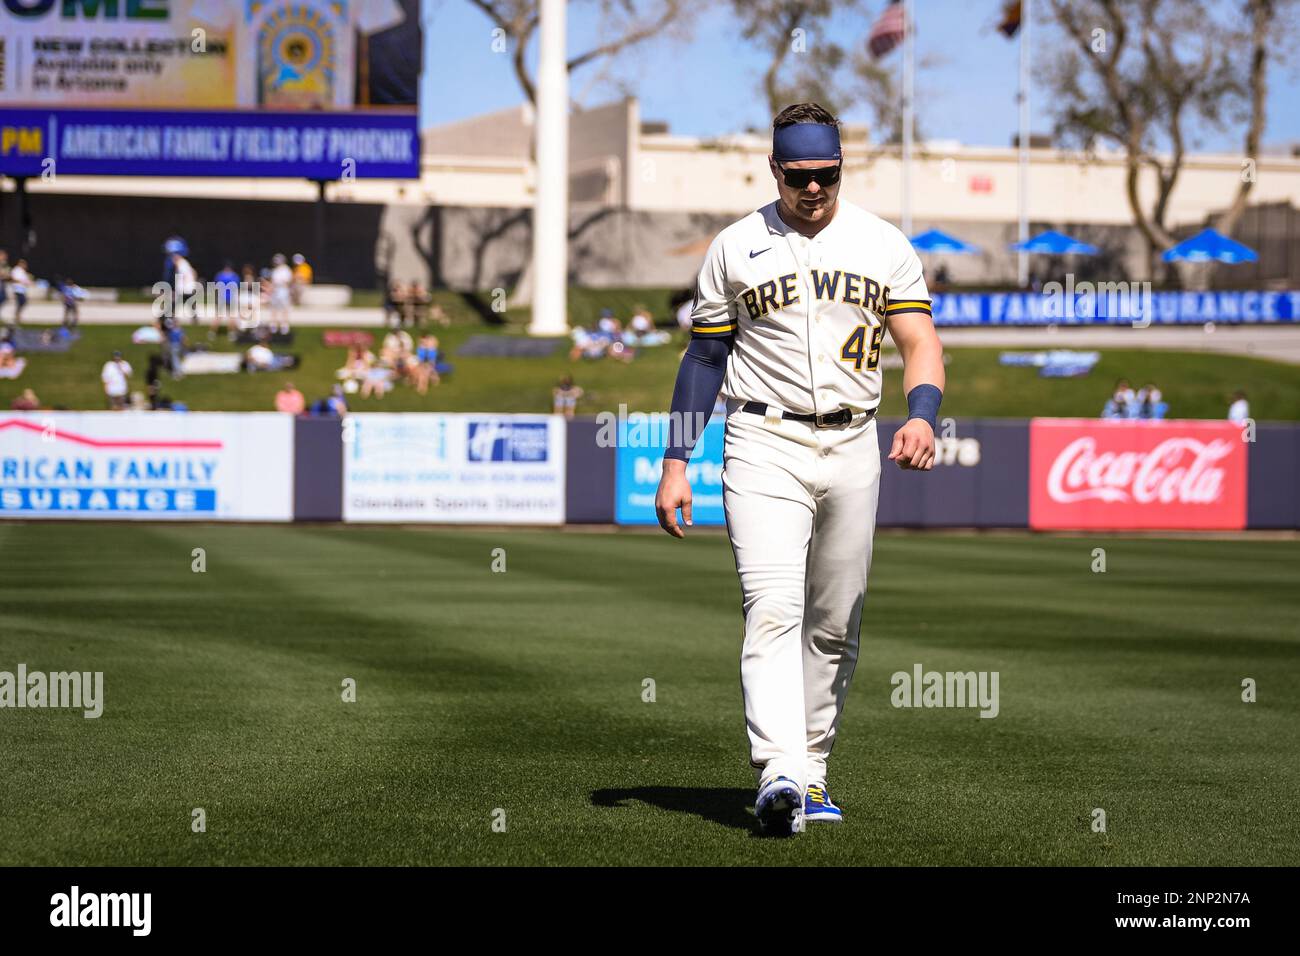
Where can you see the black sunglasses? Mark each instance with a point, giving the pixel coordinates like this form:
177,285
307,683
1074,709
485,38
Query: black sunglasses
800,178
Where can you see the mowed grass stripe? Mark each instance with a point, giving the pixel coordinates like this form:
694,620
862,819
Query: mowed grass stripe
522,691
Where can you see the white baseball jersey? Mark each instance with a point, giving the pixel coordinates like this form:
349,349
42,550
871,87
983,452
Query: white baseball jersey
807,314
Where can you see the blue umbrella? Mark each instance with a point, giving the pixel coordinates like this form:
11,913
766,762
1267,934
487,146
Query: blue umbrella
1054,243
1208,245
933,240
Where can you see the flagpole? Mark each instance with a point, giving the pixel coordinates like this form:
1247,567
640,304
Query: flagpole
909,75
1022,159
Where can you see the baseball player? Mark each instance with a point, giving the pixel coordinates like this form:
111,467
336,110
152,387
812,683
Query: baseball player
790,310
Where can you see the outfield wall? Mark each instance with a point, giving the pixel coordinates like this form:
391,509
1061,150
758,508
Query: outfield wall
1048,474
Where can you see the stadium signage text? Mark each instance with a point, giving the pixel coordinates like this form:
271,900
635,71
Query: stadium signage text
1099,474
315,145
1107,306
77,9
1180,469
113,465
454,468
640,442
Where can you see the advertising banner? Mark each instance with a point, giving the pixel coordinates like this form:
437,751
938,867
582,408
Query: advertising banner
318,89
1126,304
642,439
1128,475
35,142
155,466
218,54
487,469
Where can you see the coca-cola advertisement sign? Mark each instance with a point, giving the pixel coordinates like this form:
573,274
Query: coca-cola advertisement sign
1161,475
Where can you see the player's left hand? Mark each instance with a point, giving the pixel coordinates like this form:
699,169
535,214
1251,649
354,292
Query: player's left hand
913,446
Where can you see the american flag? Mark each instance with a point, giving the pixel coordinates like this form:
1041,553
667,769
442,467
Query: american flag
888,30
1011,14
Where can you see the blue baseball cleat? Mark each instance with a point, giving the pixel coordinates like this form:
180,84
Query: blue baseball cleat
779,807
818,807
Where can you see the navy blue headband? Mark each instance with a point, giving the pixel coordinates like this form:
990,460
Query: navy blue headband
805,141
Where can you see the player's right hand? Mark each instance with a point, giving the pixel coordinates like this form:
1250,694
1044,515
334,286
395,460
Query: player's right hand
674,492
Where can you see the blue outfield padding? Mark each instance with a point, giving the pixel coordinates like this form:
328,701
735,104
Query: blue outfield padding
1113,304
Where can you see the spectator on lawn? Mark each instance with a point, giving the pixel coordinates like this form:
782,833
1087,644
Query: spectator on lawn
281,292
397,343
289,400
1150,403
335,406
11,365
1122,402
418,302
392,304
172,246
357,364
564,397
26,402
115,375
250,296
302,277
226,283
1239,410
1125,399
259,358
72,295
20,280
424,364
378,381
184,288
153,383
4,281
430,353
941,277
174,339
641,330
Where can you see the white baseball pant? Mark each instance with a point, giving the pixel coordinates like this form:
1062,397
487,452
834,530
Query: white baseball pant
800,503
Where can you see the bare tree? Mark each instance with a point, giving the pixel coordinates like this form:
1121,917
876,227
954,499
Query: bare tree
626,23
801,62
1261,14
804,64
1147,76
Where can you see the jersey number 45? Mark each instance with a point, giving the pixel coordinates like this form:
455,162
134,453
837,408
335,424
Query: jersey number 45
855,349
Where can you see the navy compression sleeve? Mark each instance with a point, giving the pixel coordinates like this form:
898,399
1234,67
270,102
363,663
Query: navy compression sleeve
923,403
698,381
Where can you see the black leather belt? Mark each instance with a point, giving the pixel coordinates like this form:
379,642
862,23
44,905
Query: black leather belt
841,416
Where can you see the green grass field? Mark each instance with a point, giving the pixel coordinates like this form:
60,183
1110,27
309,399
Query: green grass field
1196,385
522,691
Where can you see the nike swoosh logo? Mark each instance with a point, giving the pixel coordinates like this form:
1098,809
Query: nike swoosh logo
760,252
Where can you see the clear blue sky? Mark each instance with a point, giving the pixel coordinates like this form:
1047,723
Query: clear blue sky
710,83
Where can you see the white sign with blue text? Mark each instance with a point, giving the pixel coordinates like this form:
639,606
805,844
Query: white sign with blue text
490,469
159,466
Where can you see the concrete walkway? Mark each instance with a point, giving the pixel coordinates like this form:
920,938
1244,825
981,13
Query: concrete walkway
141,313
1280,343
